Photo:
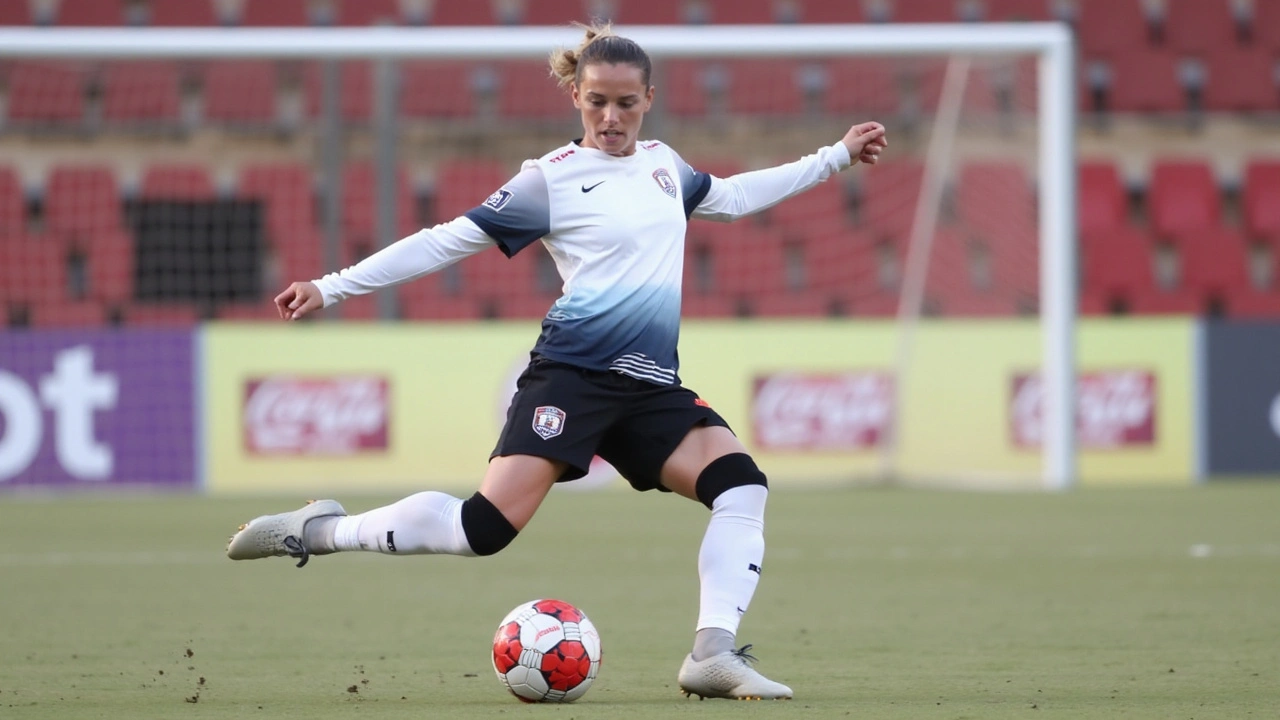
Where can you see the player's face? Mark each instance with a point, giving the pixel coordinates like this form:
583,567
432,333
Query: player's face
613,100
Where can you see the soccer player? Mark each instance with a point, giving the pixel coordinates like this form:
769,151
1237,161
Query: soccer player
611,210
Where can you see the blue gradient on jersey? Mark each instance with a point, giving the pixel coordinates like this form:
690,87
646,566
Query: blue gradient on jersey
592,329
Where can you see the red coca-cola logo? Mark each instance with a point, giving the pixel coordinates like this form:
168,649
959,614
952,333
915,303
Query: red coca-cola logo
337,415
845,411
1114,408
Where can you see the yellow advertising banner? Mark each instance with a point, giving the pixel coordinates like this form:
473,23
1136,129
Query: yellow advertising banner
320,407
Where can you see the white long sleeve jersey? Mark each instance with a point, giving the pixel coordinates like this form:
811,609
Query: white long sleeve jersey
615,227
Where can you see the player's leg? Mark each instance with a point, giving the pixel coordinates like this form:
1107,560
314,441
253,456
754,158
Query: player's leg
424,523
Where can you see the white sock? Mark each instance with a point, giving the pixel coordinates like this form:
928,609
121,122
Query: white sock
731,556
425,523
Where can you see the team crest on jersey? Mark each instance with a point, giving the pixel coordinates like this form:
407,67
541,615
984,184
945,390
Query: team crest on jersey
548,421
498,200
663,178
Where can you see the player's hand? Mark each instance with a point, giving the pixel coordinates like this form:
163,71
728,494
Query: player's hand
299,299
865,141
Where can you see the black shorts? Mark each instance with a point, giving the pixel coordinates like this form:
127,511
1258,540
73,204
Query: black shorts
561,412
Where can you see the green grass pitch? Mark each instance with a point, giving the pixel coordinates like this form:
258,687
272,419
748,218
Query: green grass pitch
1160,603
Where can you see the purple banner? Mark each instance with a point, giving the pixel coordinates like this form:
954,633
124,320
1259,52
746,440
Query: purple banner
98,408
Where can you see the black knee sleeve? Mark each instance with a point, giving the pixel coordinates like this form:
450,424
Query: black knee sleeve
725,473
487,530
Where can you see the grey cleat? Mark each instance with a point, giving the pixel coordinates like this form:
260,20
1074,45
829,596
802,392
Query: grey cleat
729,675
280,535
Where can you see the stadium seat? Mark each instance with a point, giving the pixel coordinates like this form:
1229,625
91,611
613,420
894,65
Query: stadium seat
526,90
240,92
844,260
108,265
721,167
455,13
368,12
1171,301
46,92
1117,265
1111,26
648,12
1262,200
274,13
32,270
182,13
1249,302
924,11
1199,26
1265,27
1182,196
360,308
1241,79
360,207
428,298
463,183
742,12
82,199
862,85
287,191
795,304
68,314
90,13
437,89
1017,11
996,202
13,204
1212,263
490,274
160,315
744,260
1145,81
888,195
298,255
15,12
176,182
1102,201
356,97
826,11
140,91
263,310
765,86
554,12
695,305
823,207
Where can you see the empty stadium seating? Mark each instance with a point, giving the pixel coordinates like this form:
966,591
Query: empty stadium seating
176,182
1193,27
12,203
90,13
46,92
274,13
1262,200
140,91
1102,199
181,13
240,92
1182,196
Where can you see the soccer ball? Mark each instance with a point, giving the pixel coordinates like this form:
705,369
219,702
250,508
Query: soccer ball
546,651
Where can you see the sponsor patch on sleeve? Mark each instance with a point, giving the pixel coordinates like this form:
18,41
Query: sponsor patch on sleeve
498,200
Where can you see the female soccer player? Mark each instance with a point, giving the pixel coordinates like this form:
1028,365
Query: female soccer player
602,379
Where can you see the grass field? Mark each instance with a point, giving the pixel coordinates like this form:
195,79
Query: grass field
874,604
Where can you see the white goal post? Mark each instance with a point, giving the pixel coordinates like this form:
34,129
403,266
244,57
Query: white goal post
1051,43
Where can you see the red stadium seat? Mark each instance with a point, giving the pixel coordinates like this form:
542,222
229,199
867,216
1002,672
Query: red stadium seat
32,270
1145,81
182,13
820,209
360,208
795,304
555,12
108,264
368,12
862,85
1103,201
274,13
745,260
1112,25
1017,11
1262,199
68,314
1117,265
437,89
825,11
648,12
263,310
765,86
15,12
356,97
1199,26
160,315
176,182
1172,301
1249,302
709,306
1213,262
240,92
1241,80
995,201
298,255
13,204
457,13
743,12
428,298
90,13
286,190
528,91
490,274
1266,25
82,199
1183,197
46,92
846,261
135,91
924,11
889,193
721,167
462,184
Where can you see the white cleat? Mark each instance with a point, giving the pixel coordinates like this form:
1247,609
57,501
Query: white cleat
728,675
280,535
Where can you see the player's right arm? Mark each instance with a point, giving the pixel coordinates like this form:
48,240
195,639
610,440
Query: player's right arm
500,221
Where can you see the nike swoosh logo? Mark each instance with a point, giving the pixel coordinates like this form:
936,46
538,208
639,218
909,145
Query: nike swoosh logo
586,189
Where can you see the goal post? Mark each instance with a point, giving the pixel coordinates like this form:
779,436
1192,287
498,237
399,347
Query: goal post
1050,43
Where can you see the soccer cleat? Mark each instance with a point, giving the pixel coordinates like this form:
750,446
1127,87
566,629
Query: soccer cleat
729,675
280,535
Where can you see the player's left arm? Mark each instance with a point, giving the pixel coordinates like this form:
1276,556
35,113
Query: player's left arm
731,198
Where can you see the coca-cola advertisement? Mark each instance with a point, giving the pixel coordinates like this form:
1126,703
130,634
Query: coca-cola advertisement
821,411
1114,408
331,415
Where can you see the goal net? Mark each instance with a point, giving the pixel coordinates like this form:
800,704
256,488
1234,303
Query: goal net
159,179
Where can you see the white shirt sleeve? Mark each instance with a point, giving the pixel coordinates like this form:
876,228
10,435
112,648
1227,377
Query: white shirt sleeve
423,252
731,198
